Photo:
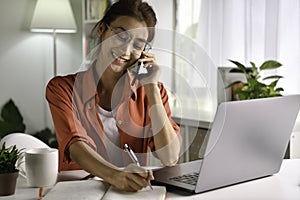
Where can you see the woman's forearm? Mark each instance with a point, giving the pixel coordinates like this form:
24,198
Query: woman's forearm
132,178
91,161
165,138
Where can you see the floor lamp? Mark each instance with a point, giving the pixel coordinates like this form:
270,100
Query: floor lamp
53,16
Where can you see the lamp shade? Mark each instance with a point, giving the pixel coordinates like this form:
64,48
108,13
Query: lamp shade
53,16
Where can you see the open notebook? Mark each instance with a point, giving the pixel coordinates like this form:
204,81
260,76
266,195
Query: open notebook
97,190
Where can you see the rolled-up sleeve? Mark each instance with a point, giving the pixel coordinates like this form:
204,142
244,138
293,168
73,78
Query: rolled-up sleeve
59,94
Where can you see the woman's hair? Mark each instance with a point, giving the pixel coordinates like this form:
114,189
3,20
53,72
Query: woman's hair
137,9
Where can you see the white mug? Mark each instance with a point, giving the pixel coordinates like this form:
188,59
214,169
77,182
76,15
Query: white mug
41,167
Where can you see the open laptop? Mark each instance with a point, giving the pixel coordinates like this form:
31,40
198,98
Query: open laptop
247,140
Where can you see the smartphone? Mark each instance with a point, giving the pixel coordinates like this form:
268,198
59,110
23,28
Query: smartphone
139,64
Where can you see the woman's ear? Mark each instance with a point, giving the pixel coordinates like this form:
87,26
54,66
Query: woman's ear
101,29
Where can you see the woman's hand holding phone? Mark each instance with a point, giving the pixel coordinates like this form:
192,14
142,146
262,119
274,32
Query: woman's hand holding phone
153,71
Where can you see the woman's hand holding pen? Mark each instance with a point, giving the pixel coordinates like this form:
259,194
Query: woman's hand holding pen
132,178
153,69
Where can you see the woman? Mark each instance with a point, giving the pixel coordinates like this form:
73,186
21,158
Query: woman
98,111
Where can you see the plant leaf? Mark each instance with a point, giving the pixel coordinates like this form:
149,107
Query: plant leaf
273,77
235,70
273,84
8,158
12,120
270,64
47,136
279,89
6,128
255,73
240,66
10,113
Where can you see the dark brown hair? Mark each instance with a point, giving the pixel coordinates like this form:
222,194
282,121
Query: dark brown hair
137,9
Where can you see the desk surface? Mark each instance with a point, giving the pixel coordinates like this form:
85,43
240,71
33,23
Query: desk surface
283,185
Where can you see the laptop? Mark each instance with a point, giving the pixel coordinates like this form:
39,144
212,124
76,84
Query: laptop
247,140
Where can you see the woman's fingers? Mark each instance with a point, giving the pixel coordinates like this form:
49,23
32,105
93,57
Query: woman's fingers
152,68
134,184
132,178
139,180
147,58
138,176
150,175
134,169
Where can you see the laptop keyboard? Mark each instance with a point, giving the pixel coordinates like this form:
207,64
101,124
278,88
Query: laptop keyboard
190,178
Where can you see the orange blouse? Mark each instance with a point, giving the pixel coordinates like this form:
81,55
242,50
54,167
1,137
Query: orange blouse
73,103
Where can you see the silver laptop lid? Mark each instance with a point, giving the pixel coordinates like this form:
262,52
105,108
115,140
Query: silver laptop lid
248,140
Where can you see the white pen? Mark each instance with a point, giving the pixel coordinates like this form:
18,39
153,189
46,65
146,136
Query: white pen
134,158
131,154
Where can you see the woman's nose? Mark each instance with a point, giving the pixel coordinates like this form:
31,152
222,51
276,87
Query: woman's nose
129,49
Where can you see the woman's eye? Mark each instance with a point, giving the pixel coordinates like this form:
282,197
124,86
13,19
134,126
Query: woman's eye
123,36
139,45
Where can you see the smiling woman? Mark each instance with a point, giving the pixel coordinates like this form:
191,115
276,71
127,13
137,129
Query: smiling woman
123,37
125,44
98,111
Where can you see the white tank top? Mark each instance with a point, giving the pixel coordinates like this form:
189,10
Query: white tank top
111,136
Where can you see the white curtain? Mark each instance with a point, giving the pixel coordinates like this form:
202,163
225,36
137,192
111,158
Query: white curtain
253,30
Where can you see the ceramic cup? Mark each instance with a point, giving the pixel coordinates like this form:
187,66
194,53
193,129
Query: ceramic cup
41,167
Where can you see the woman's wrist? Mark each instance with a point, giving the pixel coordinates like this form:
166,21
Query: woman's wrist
153,94
109,177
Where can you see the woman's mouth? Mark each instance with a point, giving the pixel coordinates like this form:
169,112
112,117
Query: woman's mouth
119,60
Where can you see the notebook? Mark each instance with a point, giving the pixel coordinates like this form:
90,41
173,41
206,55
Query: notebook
98,190
158,193
248,140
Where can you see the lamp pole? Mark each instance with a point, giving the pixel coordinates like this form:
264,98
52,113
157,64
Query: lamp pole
54,53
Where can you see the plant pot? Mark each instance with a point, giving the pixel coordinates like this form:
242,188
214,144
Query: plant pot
8,183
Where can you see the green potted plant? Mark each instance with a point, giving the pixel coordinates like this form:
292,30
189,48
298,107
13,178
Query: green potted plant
255,87
8,169
11,120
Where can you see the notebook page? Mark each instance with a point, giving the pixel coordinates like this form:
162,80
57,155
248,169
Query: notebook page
158,193
70,190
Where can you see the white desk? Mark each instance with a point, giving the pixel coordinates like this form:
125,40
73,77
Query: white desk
282,186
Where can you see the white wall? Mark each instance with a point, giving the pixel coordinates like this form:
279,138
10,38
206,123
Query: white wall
163,41
26,60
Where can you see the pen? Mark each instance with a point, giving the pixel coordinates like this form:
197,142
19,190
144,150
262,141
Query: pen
134,158
131,154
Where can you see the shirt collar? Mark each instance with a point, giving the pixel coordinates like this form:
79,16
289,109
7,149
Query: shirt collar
89,81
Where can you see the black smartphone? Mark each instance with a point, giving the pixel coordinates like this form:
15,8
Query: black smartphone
139,64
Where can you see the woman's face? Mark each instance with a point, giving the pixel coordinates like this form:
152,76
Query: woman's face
123,42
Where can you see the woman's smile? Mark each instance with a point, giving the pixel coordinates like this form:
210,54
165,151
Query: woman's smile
119,60
119,63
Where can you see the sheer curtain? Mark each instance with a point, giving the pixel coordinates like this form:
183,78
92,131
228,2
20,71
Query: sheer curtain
242,30
253,30
194,78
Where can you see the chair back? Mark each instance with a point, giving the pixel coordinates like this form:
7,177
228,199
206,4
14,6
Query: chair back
22,141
